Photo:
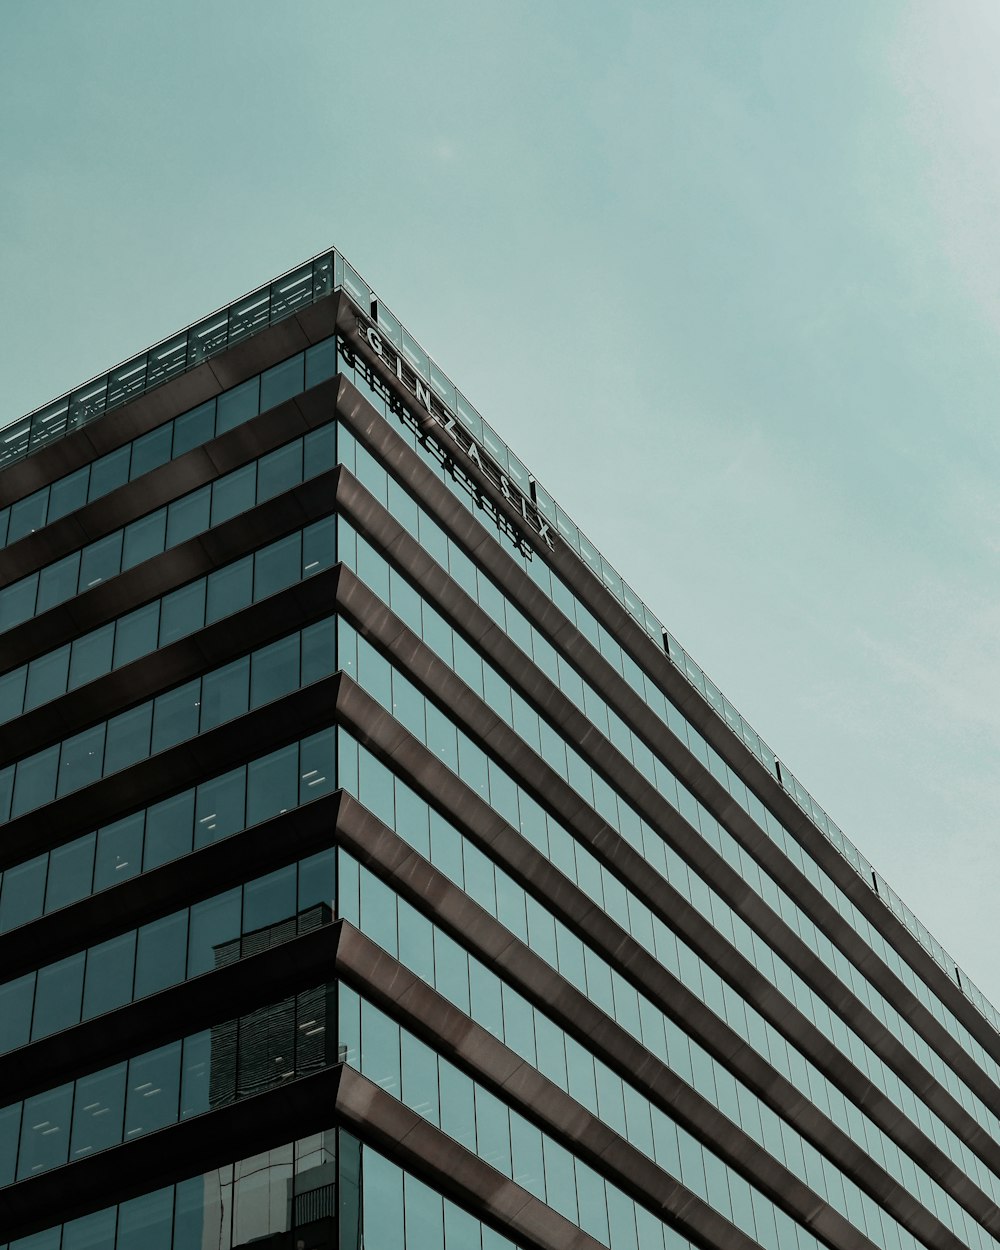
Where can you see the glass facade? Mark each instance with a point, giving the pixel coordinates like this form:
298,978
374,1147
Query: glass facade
372,876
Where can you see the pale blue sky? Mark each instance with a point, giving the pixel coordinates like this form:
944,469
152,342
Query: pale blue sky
726,275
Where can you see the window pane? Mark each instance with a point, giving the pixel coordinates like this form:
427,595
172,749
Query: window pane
220,807
225,693
161,953
279,470
234,493
16,1000
91,657
97,1119
109,472
229,589
58,996
277,566
28,515
272,785
35,781
45,1139
81,760
145,1223
135,634
281,382
269,899
23,893
175,716
71,872
152,450
128,738
68,494
119,851
192,429
214,924
182,612
153,1090
168,829
100,561
17,602
91,1232
58,582
12,693
188,516
238,405
275,671
144,538
47,678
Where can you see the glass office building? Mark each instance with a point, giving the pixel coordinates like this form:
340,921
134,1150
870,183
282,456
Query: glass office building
378,871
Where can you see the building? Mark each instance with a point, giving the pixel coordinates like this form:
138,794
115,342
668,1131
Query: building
378,871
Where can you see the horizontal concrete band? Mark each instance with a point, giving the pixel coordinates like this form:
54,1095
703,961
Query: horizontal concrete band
380,438
430,673
209,379
377,434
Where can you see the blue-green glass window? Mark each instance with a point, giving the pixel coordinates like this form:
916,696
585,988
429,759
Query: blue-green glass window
17,602
277,566
91,1232
175,715
101,560
68,494
153,1090
135,634
213,923
282,382
234,493
152,450
58,582
238,405
16,1000
12,693
91,656
229,589
81,760
182,612
220,807
27,515
128,738
22,894
45,1140
272,785
275,671
71,872
188,516
119,851
269,899
168,829
161,954
109,472
100,1105
46,678
35,781
144,538
279,470
110,969
319,449
194,428
225,693
58,996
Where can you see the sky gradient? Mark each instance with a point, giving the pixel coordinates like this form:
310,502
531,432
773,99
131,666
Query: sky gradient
726,276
